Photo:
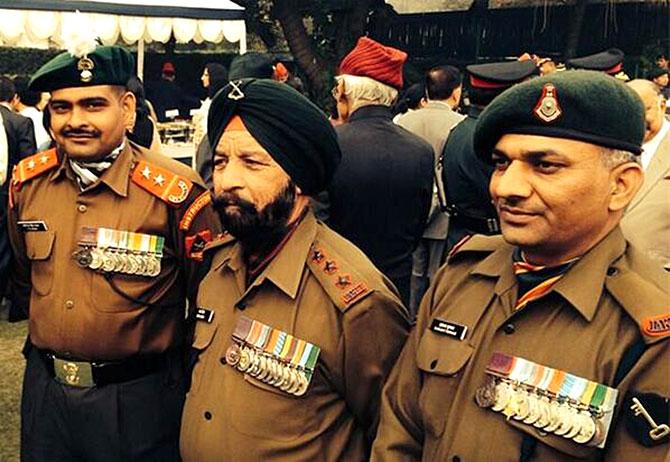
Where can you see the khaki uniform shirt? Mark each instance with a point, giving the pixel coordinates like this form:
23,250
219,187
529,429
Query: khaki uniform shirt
584,326
360,327
75,311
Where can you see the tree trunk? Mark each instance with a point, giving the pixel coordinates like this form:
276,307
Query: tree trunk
575,29
300,43
354,23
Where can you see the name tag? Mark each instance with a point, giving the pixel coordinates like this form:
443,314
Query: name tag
31,226
448,328
202,314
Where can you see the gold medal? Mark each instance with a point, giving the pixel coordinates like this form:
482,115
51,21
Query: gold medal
108,263
303,384
533,409
503,396
567,417
523,405
587,428
96,259
554,417
245,360
295,382
545,412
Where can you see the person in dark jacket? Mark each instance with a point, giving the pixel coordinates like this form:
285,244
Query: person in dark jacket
380,195
20,135
465,177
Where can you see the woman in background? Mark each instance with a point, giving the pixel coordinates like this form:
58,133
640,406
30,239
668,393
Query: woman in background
144,131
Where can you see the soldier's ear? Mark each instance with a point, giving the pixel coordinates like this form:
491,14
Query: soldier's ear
128,103
626,180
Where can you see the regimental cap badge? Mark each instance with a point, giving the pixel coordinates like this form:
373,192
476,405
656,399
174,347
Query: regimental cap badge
547,108
85,65
80,42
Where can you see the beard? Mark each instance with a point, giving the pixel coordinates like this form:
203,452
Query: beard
257,230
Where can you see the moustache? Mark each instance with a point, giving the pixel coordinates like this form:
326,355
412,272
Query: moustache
226,199
78,133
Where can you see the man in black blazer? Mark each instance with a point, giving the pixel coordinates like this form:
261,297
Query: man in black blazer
20,144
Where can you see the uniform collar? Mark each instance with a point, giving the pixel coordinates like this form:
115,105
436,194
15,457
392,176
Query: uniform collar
116,177
285,269
581,286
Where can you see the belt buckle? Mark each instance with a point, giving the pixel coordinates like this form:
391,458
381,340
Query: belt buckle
74,373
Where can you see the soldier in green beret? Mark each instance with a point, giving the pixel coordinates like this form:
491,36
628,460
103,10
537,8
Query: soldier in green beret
552,341
107,237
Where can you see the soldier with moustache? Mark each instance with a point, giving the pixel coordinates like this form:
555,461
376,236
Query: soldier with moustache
552,341
107,237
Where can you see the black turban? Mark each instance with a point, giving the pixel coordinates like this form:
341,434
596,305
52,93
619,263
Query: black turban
294,131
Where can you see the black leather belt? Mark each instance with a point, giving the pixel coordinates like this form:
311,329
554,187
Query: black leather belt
87,374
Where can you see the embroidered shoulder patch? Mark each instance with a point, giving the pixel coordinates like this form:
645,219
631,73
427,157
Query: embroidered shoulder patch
196,206
33,166
162,183
657,326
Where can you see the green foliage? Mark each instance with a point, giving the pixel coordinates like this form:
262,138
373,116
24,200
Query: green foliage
23,61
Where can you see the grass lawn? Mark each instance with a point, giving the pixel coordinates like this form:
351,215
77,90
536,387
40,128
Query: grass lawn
12,364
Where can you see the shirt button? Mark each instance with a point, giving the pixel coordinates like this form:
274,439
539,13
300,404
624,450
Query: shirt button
208,415
69,304
455,459
222,360
509,329
611,271
82,208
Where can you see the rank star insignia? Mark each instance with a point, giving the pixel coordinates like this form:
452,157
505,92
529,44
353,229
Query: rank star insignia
44,159
159,179
31,164
146,173
547,108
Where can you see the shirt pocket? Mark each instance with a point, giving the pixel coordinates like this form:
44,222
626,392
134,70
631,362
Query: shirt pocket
118,292
202,340
39,249
441,359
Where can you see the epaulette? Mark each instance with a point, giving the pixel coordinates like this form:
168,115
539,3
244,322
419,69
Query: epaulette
344,285
648,305
196,206
33,166
474,244
162,183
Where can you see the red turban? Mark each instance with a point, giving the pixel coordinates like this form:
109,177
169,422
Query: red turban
376,61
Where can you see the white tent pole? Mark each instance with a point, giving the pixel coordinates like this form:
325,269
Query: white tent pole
243,41
140,58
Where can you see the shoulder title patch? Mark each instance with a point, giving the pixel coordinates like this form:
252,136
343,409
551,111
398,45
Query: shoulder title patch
33,166
657,326
162,183
196,206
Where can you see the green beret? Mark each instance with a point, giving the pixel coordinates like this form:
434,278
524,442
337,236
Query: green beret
106,65
587,106
295,132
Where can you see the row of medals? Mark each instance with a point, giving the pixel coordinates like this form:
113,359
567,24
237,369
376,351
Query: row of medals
268,369
537,408
116,261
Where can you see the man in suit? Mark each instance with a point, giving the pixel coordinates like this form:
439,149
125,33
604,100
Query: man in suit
19,142
647,221
380,194
433,122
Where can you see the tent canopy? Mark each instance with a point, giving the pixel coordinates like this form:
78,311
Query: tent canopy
40,23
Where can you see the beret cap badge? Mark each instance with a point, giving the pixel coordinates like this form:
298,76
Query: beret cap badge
547,108
85,65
